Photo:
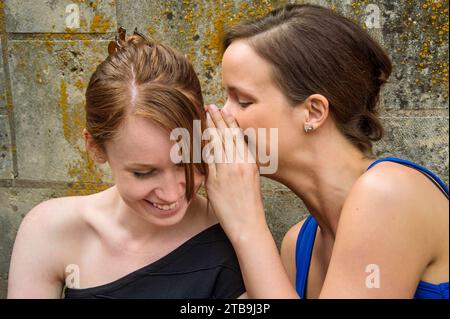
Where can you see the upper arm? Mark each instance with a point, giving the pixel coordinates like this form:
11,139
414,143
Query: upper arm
379,251
288,248
35,270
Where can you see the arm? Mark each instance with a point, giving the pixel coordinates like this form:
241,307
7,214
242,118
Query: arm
261,266
34,270
379,250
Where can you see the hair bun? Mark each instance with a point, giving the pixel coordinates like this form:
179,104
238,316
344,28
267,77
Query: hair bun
121,40
370,126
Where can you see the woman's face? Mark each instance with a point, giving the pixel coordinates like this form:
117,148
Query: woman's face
252,96
146,178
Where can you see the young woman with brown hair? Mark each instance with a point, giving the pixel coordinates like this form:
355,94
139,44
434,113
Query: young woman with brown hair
378,229
150,235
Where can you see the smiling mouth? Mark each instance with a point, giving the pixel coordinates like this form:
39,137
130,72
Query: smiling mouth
165,206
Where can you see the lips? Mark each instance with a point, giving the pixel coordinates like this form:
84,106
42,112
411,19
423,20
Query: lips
166,207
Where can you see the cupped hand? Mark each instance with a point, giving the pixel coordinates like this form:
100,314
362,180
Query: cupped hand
233,184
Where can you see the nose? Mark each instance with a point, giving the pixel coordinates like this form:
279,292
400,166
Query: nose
172,187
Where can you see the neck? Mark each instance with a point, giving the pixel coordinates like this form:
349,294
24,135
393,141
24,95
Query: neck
323,178
137,229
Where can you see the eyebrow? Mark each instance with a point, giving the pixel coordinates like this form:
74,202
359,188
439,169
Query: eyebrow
240,90
139,165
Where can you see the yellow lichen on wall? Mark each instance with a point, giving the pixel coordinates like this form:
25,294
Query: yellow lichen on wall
423,38
428,24
87,175
49,44
100,24
197,28
435,27
79,84
64,110
206,23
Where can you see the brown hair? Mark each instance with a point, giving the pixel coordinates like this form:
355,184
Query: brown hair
141,78
313,50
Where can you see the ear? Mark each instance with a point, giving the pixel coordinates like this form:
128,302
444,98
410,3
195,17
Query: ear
94,150
316,109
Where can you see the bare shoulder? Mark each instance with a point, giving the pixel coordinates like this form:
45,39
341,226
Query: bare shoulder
400,205
55,218
383,201
390,186
393,218
53,228
288,247
65,215
48,234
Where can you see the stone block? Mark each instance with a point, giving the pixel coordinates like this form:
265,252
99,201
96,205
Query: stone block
58,16
423,140
48,80
6,166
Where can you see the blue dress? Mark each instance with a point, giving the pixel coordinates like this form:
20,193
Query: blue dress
307,235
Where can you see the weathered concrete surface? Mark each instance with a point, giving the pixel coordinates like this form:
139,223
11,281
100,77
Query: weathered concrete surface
48,81
422,139
2,82
6,168
98,16
194,27
50,64
416,37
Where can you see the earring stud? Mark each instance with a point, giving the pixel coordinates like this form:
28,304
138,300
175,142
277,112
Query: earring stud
308,128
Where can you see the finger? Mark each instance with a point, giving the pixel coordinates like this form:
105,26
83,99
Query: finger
212,125
217,117
216,141
227,135
229,130
229,119
238,136
212,171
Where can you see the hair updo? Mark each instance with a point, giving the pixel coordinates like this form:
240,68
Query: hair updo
142,78
313,50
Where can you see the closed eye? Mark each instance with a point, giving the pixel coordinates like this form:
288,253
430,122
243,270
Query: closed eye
143,174
245,104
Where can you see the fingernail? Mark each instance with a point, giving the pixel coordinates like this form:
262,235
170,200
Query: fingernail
213,108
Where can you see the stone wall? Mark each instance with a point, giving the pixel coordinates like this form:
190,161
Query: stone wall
49,49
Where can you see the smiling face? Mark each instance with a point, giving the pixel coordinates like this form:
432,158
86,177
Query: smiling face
253,97
148,181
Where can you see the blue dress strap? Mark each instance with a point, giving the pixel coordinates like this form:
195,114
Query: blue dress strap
303,253
434,178
424,290
307,236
